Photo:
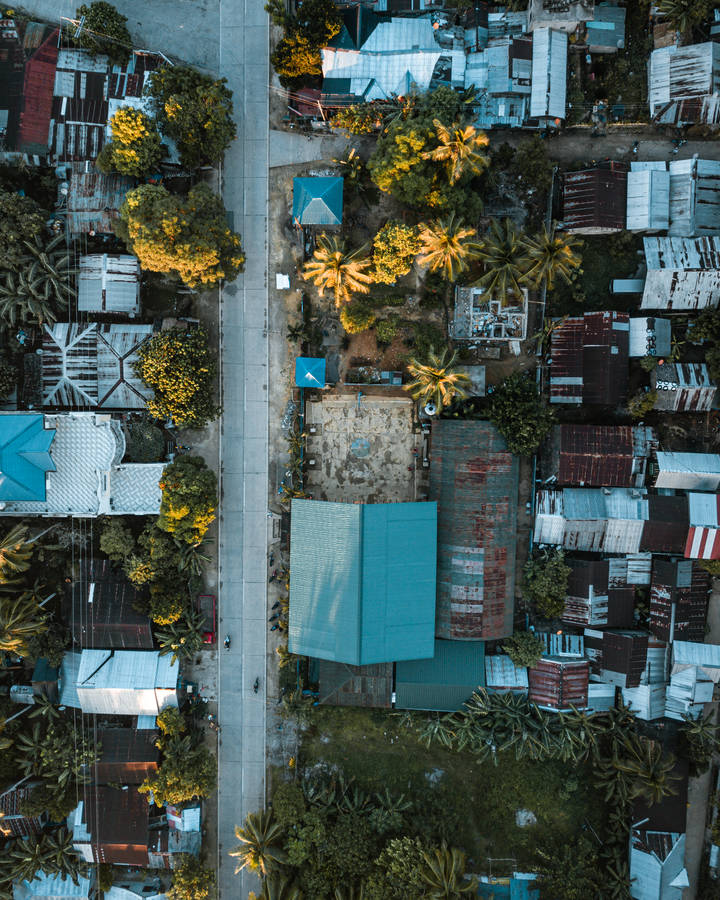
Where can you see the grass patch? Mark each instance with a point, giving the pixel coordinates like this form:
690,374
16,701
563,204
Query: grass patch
471,804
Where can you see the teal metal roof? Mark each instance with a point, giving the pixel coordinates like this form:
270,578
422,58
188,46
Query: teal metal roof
318,201
362,581
24,456
444,682
309,372
519,886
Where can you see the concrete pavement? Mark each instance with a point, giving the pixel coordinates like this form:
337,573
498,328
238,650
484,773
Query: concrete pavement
244,49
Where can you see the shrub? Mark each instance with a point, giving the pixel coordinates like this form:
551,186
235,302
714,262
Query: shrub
387,330
289,804
525,648
648,363
519,414
191,880
545,583
21,219
145,442
641,403
117,541
105,876
8,380
357,316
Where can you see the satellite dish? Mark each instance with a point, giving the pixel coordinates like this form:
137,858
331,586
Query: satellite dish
430,409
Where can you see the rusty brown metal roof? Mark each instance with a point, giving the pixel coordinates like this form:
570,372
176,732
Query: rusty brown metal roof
13,821
118,822
593,455
559,683
678,600
127,756
621,652
595,200
666,528
474,478
589,359
592,601
344,685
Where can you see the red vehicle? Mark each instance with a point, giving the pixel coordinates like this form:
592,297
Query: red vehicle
206,607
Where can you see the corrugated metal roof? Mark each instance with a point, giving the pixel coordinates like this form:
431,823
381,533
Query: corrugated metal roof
648,200
656,860
345,685
446,681
109,284
318,200
688,471
678,600
127,756
675,252
647,701
597,455
94,200
594,201
118,824
12,820
617,657
37,96
694,197
691,653
592,600
362,582
679,73
606,31
474,478
501,674
52,887
589,359
559,683
549,74
683,387
650,336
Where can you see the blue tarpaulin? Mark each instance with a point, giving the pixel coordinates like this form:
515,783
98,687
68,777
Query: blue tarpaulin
309,372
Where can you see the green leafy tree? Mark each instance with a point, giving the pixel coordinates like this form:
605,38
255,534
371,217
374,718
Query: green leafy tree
188,238
297,56
505,261
105,876
357,316
443,873
117,541
545,581
519,414
395,247
551,255
641,403
188,771
180,368
360,118
189,499
136,146
21,219
569,872
183,638
531,165
334,268
41,283
145,442
524,648
103,31
8,380
684,15
260,848
171,722
191,880
49,644
706,327
166,607
438,381
448,246
459,149
397,873
195,111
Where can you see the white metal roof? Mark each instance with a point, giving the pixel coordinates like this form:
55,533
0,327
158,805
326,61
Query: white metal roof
694,197
651,873
690,653
703,509
677,73
675,252
549,74
648,200
647,701
51,887
689,472
676,289
501,673
109,283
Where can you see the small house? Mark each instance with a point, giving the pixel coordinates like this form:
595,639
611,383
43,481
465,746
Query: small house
683,273
598,455
474,479
362,581
127,756
593,600
317,200
683,84
617,657
594,200
558,683
549,75
443,683
109,283
683,387
589,360
648,196
605,32
93,201
54,887
687,471
502,675
678,600
657,865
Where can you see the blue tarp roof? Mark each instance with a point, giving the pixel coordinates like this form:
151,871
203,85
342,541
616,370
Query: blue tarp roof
318,201
362,581
309,372
24,456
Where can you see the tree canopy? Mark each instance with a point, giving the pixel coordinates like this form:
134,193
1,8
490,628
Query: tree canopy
545,581
180,368
191,880
395,247
297,55
524,648
21,219
104,31
185,237
195,111
189,499
136,147
519,414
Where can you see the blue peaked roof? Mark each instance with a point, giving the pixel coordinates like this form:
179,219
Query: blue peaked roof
318,201
362,581
309,372
24,456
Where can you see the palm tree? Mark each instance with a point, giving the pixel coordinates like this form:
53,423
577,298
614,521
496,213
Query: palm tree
280,887
41,284
436,381
448,246
15,555
20,619
443,872
352,169
459,148
29,856
335,268
437,728
191,559
551,255
649,769
684,15
183,638
504,260
61,856
259,849
352,892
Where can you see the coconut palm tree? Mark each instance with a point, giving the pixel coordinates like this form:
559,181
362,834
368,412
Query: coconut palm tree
335,268
259,849
41,283
459,148
15,555
437,381
551,255
448,246
684,15
20,619
505,261
648,768
443,871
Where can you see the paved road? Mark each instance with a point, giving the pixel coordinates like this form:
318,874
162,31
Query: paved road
244,41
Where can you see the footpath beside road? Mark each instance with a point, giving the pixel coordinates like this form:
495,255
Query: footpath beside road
244,39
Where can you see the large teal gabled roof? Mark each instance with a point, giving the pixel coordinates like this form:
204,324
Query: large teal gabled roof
362,581
24,456
318,200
